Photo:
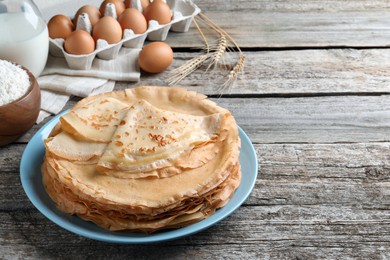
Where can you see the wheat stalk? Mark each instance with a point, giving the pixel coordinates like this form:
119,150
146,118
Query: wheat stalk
219,50
239,67
187,68
233,74
212,55
217,28
190,66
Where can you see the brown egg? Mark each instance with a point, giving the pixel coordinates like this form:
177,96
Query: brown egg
127,3
144,4
158,11
79,42
92,11
119,6
60,26
133,19
107,28
155,57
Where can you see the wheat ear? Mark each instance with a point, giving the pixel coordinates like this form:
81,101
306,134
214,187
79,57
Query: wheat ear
239,67
233,74
219,50
187,68
217,28
193,64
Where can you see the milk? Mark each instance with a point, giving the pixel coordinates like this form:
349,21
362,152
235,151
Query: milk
24,39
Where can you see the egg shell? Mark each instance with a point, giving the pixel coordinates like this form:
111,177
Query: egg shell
92,11
127,3
79,42
107,28
119,6
60,26
155,57
133,19
158,11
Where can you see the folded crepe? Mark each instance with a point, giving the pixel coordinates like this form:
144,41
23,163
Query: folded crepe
149,138
143,159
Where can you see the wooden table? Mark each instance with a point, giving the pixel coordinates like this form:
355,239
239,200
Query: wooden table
315,101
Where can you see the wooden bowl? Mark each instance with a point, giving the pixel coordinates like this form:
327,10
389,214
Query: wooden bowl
20,115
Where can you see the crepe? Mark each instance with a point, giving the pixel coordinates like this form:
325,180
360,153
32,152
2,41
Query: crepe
149,138
66,146
95,121
189,211
143,159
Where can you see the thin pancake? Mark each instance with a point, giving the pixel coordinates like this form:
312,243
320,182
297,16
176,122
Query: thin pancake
66,146
149,138
96,120
115,220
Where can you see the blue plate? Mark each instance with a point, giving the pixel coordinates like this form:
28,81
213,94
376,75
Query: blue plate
30,174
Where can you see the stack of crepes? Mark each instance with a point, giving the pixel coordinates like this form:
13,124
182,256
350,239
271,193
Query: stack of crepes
143,159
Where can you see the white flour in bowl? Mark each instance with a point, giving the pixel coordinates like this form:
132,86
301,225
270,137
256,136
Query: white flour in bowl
14,82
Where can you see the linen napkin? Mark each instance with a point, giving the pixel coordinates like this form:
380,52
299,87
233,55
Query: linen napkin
58,82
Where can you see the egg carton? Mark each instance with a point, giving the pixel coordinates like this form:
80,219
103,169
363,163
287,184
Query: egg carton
183,11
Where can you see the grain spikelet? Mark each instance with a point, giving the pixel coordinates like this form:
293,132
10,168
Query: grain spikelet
239,67
220,49
187,68
233,75
212,56
190,66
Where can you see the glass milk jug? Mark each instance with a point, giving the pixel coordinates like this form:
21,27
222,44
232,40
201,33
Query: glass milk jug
24,37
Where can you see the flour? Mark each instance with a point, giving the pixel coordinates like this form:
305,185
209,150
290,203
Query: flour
14,82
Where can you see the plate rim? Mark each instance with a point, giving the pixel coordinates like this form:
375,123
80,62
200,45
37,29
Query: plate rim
151,238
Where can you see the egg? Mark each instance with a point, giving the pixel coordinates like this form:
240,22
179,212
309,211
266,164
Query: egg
92,11
144,3
79,42
60,26
158,11
133,19
127,3
107,28
155,57
119,6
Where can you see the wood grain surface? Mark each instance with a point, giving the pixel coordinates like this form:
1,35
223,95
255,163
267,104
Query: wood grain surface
297,24
315,102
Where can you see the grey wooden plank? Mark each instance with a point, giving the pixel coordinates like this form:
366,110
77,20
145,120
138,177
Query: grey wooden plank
362,162
325,119
316,119
326,174
10,184
295,72
249,233
292,29
292,5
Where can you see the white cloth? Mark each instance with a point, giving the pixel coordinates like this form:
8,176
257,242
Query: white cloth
58,82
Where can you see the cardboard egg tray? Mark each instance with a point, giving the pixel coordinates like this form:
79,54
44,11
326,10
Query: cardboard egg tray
183,11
